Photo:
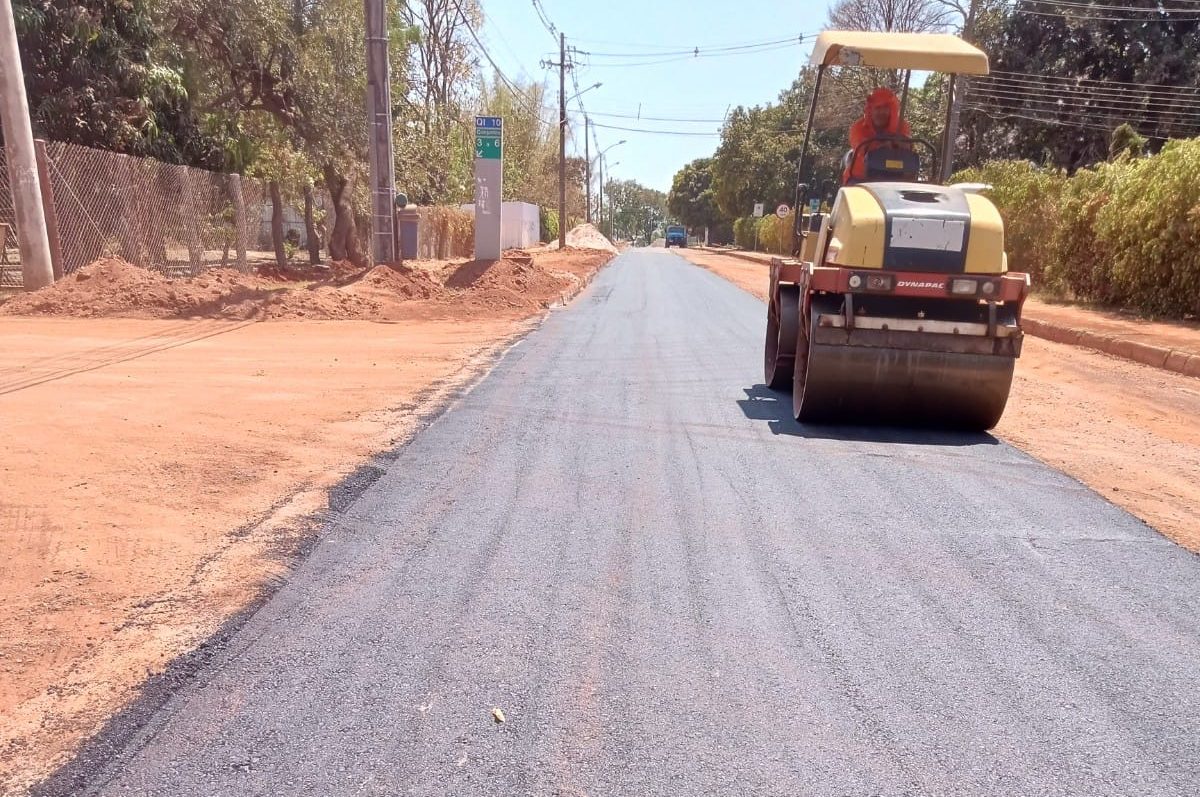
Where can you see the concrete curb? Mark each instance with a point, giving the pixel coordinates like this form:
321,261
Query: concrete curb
1176,360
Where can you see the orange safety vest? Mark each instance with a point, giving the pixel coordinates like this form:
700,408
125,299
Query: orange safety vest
864,130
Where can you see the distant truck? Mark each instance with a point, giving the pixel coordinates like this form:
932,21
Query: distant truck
676,236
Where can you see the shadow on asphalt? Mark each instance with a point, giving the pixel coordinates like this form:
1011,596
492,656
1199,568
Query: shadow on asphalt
775,407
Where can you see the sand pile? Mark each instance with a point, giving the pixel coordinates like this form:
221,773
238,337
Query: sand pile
586,236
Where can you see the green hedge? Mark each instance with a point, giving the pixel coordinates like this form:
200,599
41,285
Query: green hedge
743,232
1125,232
774,235
549,225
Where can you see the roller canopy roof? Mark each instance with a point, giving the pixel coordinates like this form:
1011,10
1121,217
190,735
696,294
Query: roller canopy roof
923,52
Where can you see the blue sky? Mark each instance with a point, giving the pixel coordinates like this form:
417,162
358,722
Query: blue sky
632,46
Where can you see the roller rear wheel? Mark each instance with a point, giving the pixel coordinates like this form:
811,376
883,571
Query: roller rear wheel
783,327
868,385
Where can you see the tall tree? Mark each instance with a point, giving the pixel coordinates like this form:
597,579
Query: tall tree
434,131
93,78
752,162
889,15
691,199
758,157
303,65
530,141
636,210
1054,113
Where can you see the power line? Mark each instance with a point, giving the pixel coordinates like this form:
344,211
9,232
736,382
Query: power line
786,131
1046,107
1013,108
1081,103
641,118
655,132
1105,96
1107,8
659,46
530,105
545,18
1115,84
680,58
797,39
504,42
991,114
1090,18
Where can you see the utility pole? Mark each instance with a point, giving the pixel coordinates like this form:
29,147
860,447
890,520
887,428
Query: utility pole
600,195
37,269
562,140
587,157
956,88
379,126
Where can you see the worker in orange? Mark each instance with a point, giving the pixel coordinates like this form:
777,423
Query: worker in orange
880,118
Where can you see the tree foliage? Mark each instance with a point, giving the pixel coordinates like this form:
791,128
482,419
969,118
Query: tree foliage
1161,51
1125,232
92,78
636,211
691,199
889,15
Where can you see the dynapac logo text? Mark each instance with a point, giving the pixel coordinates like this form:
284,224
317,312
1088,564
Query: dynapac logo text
917,284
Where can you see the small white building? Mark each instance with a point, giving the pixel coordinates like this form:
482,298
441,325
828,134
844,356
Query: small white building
520,224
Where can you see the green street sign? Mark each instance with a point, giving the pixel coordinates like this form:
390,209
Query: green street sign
487,147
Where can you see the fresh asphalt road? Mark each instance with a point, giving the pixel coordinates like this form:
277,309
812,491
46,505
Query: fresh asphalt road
621,540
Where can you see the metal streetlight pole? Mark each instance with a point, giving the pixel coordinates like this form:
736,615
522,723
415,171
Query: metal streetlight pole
600,157
587,158
563,99
610,207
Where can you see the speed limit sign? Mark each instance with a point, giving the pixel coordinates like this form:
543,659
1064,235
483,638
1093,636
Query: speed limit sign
782,211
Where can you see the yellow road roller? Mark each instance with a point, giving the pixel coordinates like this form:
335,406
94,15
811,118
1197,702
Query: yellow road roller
898,307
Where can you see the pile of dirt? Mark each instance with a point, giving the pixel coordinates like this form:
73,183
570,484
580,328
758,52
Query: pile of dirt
512,283
112,287
519,284
586,236
402,281
320,303
578,262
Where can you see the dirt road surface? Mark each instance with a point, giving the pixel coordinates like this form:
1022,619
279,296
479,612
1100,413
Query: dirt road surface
157,475
1126,430
622,541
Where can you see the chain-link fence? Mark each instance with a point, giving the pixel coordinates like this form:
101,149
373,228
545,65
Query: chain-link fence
10,265
170,218
178,220
173,219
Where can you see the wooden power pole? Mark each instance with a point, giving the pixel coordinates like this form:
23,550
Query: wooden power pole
379,126
562,141
587,159
37,267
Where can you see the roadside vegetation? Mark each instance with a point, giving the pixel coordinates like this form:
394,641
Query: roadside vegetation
276,91
1085,129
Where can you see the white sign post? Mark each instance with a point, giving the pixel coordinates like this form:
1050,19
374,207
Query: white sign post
489,185
758,214
782,213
